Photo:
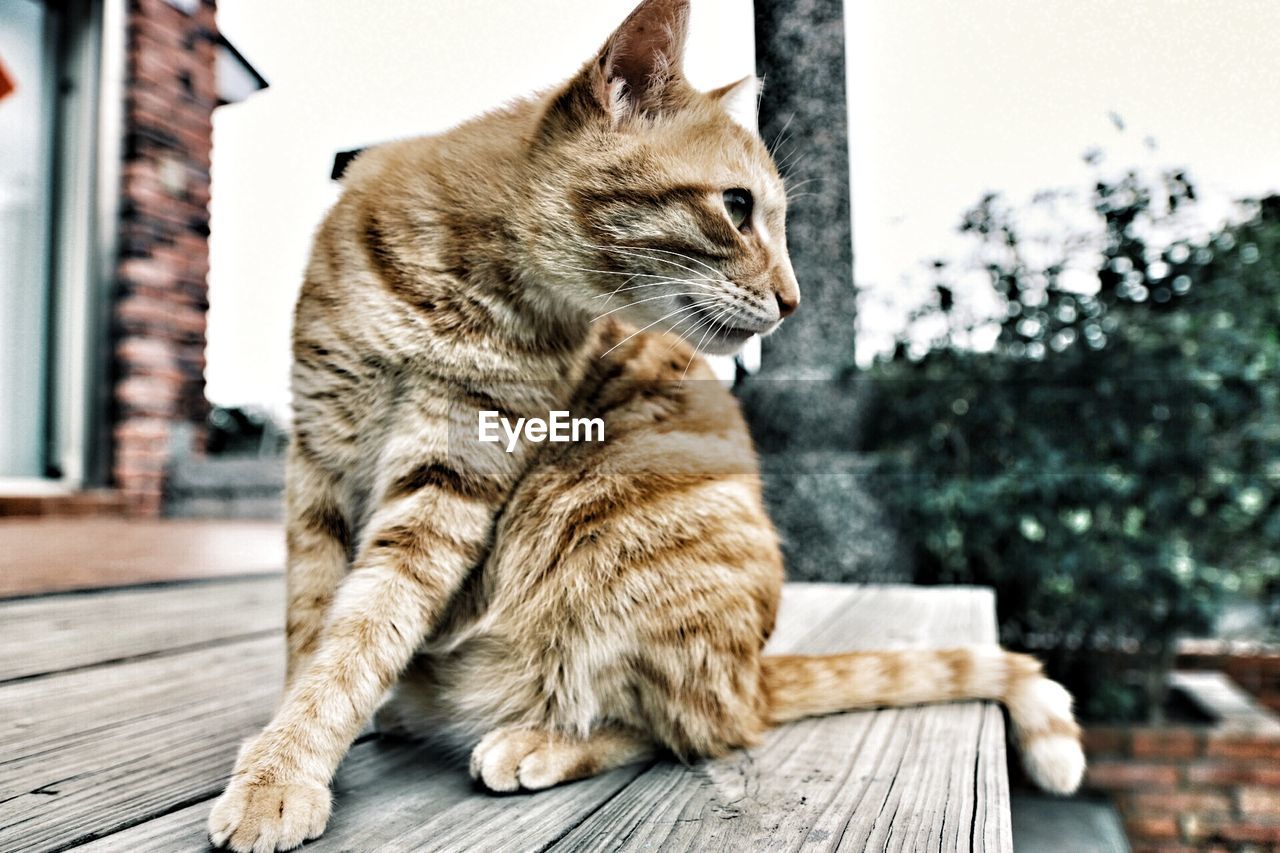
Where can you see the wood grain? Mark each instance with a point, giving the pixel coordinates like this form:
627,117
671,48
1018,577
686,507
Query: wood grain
904,779
91,751
128,755
50,634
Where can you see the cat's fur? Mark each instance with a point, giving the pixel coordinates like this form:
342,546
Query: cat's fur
572,606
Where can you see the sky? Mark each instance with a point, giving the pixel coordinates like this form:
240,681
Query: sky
1007,95
947,101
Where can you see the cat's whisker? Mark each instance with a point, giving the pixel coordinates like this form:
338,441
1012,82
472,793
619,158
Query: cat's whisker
717,273
794,195
626,285
680,255
787,163
690,307
630,274
619,288
698,348
782,158
708,312
674,281
631,251
798,184
709,308
778,138
641,302
792,165
680,337
623,288
684,336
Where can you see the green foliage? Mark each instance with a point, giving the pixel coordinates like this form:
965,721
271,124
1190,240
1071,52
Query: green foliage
1112,464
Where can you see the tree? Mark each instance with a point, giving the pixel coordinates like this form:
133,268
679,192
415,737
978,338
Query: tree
1111,465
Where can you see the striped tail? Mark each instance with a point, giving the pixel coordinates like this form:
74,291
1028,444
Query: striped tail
1048,737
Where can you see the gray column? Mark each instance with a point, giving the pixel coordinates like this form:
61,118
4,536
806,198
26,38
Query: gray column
804,404
800,55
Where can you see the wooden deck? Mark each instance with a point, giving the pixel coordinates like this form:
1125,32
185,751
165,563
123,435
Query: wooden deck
120,713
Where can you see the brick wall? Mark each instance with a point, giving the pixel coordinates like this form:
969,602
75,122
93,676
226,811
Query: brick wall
162,298
1254,666
1187,787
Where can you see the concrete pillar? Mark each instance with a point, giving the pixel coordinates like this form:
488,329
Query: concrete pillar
800,55
803,406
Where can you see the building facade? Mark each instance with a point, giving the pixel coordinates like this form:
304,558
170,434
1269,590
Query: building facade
105,152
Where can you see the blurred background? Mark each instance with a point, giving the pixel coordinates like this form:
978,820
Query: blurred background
1039,246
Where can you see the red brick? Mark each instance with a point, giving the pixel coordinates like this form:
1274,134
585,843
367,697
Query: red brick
134,463
1126,774
148,395
1240,831
1165,743
1177,802
148,272
1151,828
137,312
1106,740
142,504
149,353
1244,747
160,313
1259,802
1233,773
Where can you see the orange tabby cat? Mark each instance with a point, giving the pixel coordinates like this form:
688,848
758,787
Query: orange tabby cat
571,606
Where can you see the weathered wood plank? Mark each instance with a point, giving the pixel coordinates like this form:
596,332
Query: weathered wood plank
44,635
904,779
899,779
90,751
394,796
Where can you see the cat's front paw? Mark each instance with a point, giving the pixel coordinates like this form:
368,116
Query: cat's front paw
260,818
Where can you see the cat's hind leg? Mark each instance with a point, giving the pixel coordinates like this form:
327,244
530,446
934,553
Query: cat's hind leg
514,758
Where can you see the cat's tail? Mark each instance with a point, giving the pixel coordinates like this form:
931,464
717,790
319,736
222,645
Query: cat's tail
1047,734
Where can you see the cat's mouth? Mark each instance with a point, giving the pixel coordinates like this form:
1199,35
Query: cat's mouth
718,333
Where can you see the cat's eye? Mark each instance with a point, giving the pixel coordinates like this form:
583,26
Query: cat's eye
737,203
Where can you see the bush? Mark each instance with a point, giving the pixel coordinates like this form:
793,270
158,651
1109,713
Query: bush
1111,465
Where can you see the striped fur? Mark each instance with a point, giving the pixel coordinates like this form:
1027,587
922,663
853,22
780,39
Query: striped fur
1047,734
568,607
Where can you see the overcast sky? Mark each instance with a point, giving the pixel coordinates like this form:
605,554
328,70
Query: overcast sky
948,101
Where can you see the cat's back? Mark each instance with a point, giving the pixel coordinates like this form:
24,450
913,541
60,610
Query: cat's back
420,202
386,285
421,235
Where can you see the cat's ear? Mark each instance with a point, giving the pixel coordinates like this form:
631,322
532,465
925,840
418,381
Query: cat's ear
741,100
637,71
646,52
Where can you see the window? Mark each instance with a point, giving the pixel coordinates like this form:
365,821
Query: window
27,49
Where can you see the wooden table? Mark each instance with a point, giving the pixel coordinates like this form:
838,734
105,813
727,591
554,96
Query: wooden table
120,713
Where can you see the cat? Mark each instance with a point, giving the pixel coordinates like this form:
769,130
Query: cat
566,607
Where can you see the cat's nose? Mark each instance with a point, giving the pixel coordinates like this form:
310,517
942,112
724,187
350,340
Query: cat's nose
788,302
785,288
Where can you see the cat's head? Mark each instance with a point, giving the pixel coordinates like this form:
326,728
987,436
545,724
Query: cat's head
669,209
